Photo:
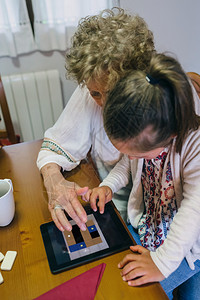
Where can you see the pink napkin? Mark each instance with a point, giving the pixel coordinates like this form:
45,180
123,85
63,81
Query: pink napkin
82,287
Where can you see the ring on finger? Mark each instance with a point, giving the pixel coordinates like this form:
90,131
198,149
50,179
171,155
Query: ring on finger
58,206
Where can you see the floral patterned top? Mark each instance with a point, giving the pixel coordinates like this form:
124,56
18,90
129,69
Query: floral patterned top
159,201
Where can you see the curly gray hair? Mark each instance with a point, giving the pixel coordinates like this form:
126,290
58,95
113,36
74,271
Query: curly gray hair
112,44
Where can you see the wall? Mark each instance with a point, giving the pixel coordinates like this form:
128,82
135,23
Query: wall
175,24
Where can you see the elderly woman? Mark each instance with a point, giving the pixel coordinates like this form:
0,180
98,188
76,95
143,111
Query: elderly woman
104,48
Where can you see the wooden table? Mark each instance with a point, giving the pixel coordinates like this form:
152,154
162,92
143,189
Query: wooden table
30,275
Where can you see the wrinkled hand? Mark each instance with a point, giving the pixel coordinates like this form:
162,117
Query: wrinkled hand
139,268
64,193
102,194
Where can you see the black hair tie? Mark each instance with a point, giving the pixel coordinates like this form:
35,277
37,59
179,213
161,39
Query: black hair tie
151,79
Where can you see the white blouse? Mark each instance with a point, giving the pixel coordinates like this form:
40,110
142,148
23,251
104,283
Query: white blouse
80,127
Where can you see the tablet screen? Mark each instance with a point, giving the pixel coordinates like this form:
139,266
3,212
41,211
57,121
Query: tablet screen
105,235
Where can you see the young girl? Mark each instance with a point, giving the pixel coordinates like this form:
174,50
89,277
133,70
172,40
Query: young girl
150,117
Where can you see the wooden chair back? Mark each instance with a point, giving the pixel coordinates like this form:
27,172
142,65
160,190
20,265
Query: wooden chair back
195,78
9,132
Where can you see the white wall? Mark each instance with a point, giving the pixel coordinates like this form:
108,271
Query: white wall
175,24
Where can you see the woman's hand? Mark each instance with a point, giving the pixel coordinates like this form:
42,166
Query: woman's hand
139,268
103,194
63,195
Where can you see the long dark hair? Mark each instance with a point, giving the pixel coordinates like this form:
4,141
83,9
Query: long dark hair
160,99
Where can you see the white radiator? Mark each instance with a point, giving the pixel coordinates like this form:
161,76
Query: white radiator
35,102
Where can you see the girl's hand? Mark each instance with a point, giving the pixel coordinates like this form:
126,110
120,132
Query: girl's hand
139,268
102,194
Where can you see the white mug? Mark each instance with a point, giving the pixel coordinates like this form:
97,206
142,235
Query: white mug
7,204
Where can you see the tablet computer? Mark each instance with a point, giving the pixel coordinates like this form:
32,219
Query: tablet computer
105,235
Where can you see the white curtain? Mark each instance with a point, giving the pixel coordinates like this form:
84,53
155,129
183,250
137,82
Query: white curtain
56,20
16,35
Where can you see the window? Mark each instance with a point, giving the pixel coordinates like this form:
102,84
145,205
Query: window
16,35
55,22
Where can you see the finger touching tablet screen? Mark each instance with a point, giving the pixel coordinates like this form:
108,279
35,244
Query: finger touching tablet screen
105,235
